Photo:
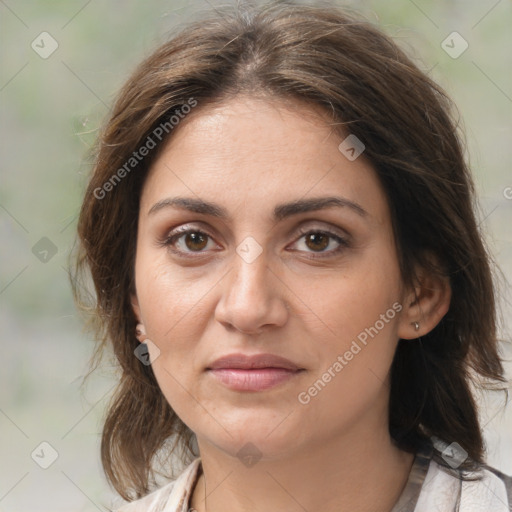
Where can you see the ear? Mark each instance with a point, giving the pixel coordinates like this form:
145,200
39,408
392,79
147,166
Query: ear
425,304
135,307
140,330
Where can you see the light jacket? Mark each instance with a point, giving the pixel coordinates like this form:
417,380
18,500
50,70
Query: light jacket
432,486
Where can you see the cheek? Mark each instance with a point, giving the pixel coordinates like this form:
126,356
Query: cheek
351,301
351,381
172,301
174,310
359,325
357,336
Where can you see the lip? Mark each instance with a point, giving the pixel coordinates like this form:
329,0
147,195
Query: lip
251,362
258,372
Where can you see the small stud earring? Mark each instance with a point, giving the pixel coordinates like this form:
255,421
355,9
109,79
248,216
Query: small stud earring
416,326
140,332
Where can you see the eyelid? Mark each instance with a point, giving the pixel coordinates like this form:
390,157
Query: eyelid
330,230
178,232
343,239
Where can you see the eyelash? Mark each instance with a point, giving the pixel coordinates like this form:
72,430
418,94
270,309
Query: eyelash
170,240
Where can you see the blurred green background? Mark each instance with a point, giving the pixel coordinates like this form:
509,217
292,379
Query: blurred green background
51,109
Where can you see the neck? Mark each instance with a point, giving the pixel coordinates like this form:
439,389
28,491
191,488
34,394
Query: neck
361,470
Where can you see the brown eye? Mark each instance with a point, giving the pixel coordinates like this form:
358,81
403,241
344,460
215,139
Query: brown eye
195,240
186,241
317,241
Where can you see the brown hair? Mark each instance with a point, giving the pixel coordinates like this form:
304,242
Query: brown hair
328,58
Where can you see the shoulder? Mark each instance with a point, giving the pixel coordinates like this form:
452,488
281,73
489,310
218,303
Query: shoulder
495,487
172,497
481,490
152,502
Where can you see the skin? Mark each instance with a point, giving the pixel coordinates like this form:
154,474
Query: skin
334,453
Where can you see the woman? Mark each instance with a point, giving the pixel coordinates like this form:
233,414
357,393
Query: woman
287,265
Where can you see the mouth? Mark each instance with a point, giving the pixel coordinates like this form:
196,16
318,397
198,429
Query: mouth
259,372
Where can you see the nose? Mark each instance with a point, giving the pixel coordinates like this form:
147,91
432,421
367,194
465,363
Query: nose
253,297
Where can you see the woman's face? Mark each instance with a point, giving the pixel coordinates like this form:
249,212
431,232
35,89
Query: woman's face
265,269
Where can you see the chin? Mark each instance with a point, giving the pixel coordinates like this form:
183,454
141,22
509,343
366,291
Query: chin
256,434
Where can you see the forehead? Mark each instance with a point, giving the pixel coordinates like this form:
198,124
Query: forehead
259,151
245,128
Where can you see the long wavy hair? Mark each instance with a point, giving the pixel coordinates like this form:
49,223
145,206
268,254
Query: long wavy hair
326,57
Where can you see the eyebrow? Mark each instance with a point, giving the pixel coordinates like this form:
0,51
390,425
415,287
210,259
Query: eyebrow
281,211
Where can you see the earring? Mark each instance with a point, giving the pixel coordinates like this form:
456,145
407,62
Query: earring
140,332
416,326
